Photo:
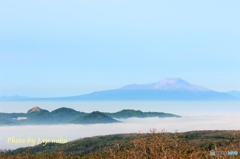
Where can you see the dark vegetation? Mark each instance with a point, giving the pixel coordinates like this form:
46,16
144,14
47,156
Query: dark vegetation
63,115
153,145
93,118
128,113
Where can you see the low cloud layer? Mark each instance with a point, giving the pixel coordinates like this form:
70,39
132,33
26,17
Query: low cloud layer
31,135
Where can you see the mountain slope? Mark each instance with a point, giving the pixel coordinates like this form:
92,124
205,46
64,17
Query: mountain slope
165,89
234,93
93,145
167,84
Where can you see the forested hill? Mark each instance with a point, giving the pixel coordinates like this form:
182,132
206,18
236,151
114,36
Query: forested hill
64,115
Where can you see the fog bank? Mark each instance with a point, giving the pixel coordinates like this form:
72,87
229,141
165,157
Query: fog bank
31,135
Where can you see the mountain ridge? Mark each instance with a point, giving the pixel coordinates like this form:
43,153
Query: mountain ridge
165,89
65,115
234,93
167,84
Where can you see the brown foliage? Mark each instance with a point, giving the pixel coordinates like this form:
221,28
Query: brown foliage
153,145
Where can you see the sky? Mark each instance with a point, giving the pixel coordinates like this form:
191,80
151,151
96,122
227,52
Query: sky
69,47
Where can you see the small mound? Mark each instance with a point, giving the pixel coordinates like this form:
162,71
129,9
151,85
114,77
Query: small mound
36,109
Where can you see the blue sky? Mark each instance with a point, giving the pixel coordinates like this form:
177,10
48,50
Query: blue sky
62,48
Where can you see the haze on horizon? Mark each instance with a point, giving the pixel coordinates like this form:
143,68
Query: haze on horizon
64,48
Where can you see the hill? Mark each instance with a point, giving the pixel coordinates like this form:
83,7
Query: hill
64,115
37,110
187,143
129,113
94,118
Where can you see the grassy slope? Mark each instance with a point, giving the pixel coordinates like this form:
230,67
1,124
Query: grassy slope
183,143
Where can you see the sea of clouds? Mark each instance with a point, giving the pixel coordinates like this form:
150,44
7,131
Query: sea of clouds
13,137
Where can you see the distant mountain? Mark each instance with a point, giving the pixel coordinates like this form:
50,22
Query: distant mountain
16,97
165,89
64,115
167,84
234,93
